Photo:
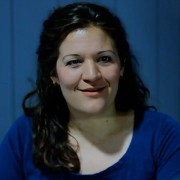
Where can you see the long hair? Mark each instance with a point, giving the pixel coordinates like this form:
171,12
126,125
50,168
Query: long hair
51,115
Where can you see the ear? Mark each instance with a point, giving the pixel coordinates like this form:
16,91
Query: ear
54,79
122,72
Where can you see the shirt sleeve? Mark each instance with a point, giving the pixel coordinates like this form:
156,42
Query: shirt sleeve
168,150
11,152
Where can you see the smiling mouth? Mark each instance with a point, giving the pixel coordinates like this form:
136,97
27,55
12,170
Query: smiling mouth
92,89
92,92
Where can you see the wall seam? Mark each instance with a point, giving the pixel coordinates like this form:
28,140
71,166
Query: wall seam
12,59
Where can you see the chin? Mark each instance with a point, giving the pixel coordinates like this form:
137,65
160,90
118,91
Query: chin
93,110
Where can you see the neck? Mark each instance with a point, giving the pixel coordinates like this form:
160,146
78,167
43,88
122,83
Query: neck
97,126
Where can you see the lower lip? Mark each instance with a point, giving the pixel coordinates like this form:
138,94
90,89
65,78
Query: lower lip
92,94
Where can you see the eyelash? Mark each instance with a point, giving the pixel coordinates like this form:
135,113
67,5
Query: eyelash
104,59
73,62
76,62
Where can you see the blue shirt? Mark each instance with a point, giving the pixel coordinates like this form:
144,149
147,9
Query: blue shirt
154,153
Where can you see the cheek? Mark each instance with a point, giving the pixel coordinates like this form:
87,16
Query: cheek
113,75
67,78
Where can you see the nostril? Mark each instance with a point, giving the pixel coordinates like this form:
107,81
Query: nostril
92,77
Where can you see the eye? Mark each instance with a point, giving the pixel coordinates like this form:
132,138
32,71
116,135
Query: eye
105,59
73,63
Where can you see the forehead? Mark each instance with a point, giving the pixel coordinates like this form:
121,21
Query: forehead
87,38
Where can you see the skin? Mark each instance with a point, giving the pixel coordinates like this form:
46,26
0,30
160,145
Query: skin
88,72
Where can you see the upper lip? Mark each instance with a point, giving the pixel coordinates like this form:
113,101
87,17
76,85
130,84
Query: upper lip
92,89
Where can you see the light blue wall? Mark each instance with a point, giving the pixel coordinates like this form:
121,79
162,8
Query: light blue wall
153,29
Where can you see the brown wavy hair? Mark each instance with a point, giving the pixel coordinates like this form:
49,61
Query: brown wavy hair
50,114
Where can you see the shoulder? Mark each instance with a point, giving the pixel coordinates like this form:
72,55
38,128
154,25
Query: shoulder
161,127
156,115
19,133
158,129
15,147
22,120
21,127
159,120
163,132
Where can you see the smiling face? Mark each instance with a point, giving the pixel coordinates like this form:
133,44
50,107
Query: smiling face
88,71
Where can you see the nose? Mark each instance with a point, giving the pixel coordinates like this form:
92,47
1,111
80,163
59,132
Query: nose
91,71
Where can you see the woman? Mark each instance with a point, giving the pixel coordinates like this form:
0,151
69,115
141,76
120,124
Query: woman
91,120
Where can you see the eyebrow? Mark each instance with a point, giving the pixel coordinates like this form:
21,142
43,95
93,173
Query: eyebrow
100,52
77,55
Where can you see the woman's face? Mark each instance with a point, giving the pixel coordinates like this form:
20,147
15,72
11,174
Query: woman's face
88,71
